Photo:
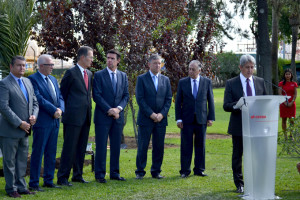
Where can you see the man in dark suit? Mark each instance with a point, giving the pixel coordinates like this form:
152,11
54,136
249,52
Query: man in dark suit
243,85
18,112
45,131
110,93
154,96
76,91
195,111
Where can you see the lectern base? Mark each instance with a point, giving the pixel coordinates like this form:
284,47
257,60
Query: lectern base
247,197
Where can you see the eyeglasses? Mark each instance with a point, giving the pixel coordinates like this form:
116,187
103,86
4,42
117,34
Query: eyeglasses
50,65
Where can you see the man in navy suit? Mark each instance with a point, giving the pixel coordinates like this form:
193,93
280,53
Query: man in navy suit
154,96
76,89
45,131
195,111
243,85
110,93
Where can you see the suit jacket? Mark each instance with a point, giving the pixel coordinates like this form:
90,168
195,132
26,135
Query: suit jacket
233,92
105,98
14,107
47,108
78,104
186,105
150,100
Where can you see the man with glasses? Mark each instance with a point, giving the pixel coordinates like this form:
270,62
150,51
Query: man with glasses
45,131
76,90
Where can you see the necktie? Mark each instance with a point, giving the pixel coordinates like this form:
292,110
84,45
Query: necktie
195,89
23,89
248,88
86,79
52,92
155,82
113,82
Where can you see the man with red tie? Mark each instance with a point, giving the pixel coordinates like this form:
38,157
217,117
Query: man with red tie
76,91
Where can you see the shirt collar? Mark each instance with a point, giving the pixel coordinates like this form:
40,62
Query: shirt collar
16,78
81,68
153,74
109,71
243,78
43,76
197,79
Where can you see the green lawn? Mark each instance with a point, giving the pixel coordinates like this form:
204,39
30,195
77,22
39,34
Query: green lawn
218,185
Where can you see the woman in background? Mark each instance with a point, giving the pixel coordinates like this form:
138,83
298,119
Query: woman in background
288,109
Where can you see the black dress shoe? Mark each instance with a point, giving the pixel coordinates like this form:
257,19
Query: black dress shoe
101,180
140,177
14,194
26,192
200,174
158,176
51,185
118,178
37,189
240,189
64,182
80,180
184,175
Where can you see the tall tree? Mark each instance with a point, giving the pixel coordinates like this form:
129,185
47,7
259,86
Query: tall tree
16,21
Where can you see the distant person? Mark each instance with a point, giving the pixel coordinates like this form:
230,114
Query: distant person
110,93
154,96
243,85
76,86
45,131
288,109
18,113
194,108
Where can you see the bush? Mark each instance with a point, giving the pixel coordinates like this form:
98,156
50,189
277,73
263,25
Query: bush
291,145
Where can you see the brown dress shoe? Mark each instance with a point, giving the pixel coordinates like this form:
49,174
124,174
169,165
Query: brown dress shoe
14,194
26,192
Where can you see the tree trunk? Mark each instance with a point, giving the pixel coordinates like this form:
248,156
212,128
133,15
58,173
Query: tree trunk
264,56
294,22
133,120
275,15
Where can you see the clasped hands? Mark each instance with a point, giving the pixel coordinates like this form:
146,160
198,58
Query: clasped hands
26,126
114,112
156,117
57,113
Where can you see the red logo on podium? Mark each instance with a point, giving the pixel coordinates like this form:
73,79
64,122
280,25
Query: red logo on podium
258,117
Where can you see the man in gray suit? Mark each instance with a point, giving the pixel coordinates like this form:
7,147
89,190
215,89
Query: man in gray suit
243,85
18,113
195,111
154,96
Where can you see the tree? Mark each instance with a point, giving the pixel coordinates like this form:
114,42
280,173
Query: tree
16,21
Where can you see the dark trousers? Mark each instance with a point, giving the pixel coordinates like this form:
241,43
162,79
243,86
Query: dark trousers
74,148
158,140
237,154
44,143
186,148
114,132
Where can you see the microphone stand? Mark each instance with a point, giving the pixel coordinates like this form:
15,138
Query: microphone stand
286,99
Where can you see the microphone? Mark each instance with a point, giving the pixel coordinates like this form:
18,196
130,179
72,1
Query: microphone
280,89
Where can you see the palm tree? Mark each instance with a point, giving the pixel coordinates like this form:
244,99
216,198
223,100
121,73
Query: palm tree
16,20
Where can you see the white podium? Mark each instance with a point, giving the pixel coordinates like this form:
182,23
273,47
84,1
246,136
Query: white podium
260,130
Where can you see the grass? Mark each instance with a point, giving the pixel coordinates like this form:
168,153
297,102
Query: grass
218,185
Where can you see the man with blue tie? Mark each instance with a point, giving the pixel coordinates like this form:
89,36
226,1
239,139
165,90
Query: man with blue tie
45,131
110,93
18,113
154,96
194,109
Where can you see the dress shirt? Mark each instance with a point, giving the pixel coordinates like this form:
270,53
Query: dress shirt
44,78
82,70
244,84
156,79
116,80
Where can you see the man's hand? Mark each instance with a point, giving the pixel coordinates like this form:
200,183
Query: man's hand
57,113
114,112
25,126
32,120
209,122
180,125
153,116
159,117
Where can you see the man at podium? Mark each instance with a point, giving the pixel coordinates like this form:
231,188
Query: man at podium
243,85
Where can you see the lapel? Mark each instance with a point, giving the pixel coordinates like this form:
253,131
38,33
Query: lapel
108,80
201,86
41,80
119,82
17,88
55,87
189,87
149,81
80,77
255,85
239,87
